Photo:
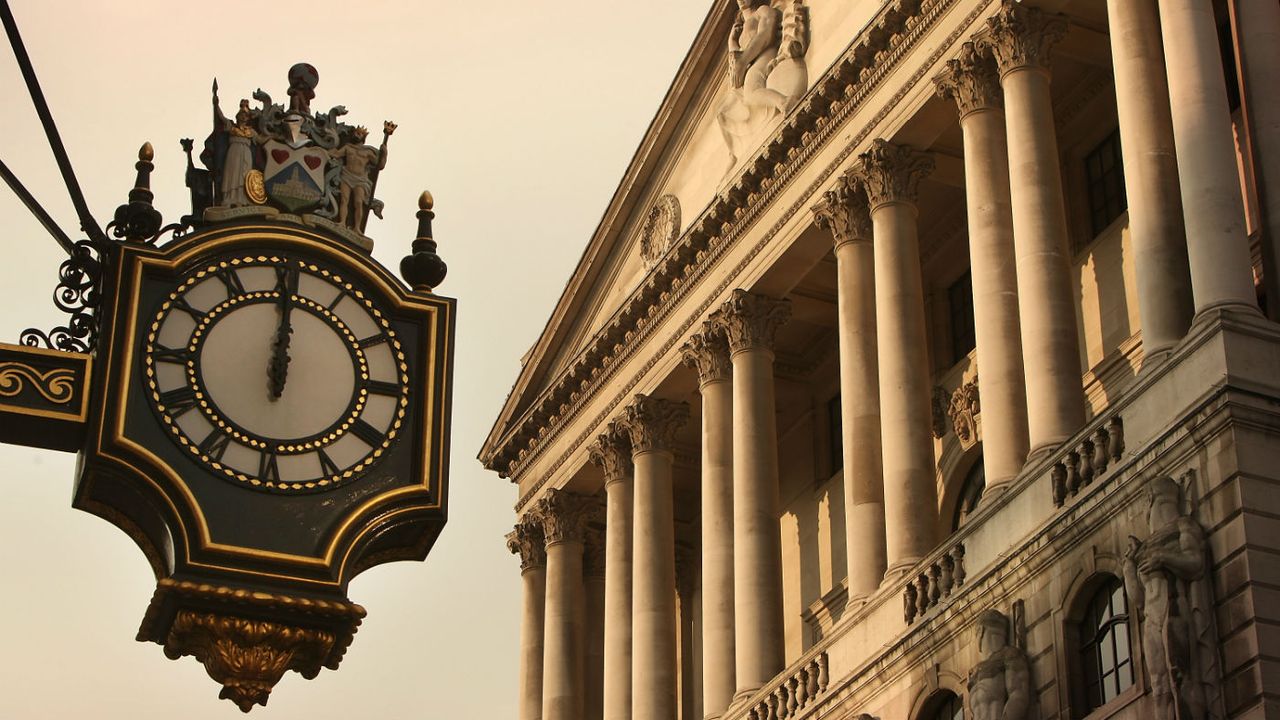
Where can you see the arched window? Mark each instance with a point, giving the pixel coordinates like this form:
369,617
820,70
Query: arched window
970,494
1106,659
944,705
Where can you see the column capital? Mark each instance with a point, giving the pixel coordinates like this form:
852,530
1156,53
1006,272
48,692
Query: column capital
891,173
845,212
972,80
1020,37
565,515
652,422
593,553
526,541
708,353
611,452
750,321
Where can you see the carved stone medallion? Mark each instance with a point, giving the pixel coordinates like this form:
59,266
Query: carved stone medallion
660,230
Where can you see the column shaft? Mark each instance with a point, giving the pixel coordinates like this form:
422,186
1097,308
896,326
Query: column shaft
527,541
757,566
1150,174
654,610
562,689
651,424
1020,39
910,496
593,583
617,612
973,81
717,547
1213,207
844,211
1257,26
531,645
750,323
708,353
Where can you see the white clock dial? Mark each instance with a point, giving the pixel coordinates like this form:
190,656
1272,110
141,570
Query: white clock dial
277,373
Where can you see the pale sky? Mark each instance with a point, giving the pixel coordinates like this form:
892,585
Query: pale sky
520,117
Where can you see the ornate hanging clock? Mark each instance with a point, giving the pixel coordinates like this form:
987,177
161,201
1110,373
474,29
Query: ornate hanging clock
268,409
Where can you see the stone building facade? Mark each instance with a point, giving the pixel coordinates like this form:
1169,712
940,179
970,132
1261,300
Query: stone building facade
918,370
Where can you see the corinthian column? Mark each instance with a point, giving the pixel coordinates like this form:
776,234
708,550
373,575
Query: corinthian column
526,541
593,584
1217,244
972,81
1020,39
1257,25
1150,174
564,518
890,174
750,322
844,211
651,423
612,454
708,353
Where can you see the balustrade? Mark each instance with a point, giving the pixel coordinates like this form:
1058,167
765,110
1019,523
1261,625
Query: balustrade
937,583
792,693
1080,467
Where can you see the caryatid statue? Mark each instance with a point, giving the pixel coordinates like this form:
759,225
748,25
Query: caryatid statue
767,71
1166,579
360,165
1000,684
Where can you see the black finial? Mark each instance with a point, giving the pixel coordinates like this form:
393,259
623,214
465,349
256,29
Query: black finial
423,269
138,220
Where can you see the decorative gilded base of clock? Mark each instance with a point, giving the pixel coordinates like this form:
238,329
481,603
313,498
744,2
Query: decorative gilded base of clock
248,640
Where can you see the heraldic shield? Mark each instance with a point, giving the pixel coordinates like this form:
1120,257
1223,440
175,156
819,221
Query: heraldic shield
295,177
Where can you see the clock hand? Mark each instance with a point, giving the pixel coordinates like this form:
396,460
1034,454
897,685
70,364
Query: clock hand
278,368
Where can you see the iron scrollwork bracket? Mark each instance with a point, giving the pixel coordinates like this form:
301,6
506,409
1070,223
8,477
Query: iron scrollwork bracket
79,294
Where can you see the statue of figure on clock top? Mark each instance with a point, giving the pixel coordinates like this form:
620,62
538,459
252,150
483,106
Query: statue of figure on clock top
288,162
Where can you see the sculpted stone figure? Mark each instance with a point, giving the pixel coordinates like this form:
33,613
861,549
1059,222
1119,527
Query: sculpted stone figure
239,158
1000,685
1165,578
360,163
767,71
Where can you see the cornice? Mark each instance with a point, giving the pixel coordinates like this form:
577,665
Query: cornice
844,88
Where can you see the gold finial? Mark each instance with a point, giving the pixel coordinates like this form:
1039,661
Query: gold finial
146,153
425,201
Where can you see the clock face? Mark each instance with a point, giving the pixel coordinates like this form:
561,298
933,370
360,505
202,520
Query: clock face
276,373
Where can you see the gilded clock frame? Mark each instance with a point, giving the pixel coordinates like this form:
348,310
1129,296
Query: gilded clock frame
341,556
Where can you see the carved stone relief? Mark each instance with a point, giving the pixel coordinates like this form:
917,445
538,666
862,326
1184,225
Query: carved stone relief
767,71
964,409
1000,684
661,229
1168,586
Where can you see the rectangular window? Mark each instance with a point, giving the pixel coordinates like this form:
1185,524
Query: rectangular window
1104,172
960,300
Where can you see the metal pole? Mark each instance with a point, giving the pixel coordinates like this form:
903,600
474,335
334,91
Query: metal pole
87,223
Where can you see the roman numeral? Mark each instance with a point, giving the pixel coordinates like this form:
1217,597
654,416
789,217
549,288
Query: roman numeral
371,341
178,356
184,306
327,465
268,469
178,401
382,388
215,444
286,280
368,433
231,279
